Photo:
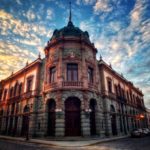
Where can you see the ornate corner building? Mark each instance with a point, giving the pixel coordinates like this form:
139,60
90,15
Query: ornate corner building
69,93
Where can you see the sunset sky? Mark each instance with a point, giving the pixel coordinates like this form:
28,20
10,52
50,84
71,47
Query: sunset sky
120,30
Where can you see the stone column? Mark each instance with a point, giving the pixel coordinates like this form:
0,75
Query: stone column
60,124
98,119
3,125
130,125
107,119
60,118
19,127
45,123
32,125
118,124
85,123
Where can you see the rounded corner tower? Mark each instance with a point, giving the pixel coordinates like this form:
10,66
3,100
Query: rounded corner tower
71,83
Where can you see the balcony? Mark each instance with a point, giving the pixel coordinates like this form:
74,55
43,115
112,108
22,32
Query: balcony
30,94
50,85
72,84
14,98
112,95
109,94
122,99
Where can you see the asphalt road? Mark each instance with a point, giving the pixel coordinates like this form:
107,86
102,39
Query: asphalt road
122,144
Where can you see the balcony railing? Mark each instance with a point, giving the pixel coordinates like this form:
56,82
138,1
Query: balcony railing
30,94
72,84
23,95
14,98
51,85
109,94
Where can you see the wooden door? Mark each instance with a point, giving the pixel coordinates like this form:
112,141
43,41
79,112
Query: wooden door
15,126
25,125
51,118
113,124
72,117
10,125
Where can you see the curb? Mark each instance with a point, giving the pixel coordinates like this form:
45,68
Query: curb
64,143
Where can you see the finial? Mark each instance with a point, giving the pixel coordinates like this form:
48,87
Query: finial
100,57
110,65
70,15
27,63
39,56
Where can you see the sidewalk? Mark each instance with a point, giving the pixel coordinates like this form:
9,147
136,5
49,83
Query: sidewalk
64,143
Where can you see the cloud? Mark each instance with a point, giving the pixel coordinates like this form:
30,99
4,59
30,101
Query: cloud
12,55
18,2
85,2
29,38
30,15
91,27
49,14
102,6
126,46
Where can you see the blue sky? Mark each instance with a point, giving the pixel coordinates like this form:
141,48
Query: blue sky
120,30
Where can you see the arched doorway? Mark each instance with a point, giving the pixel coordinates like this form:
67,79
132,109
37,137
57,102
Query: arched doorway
1,117
51,117
10,129
16,119
113,120
25,121
72,117
92,117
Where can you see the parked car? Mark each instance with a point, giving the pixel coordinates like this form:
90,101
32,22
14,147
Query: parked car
146,131
140,132
136,133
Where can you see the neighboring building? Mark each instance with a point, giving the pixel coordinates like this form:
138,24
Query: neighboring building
69,93
148,118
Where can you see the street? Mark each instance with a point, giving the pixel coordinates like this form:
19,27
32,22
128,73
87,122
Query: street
122,144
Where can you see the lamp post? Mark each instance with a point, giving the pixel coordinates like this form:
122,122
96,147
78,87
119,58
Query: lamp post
140,117
59,112
88,111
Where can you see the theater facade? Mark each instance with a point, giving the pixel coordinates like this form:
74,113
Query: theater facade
69,93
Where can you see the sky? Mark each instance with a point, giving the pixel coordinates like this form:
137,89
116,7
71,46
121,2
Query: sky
120,30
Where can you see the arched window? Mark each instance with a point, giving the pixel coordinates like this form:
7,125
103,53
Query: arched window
29,83
1,113
26,109
52,74
109,84
15,89
1,94
5,94
20,89
90,74
112,109
11,92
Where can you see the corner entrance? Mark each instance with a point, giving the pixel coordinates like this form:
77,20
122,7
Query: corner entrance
72,117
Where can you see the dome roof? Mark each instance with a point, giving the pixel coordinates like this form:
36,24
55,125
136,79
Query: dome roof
70,30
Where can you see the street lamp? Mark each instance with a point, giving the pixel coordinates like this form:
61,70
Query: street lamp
58,111
88,111
142,116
